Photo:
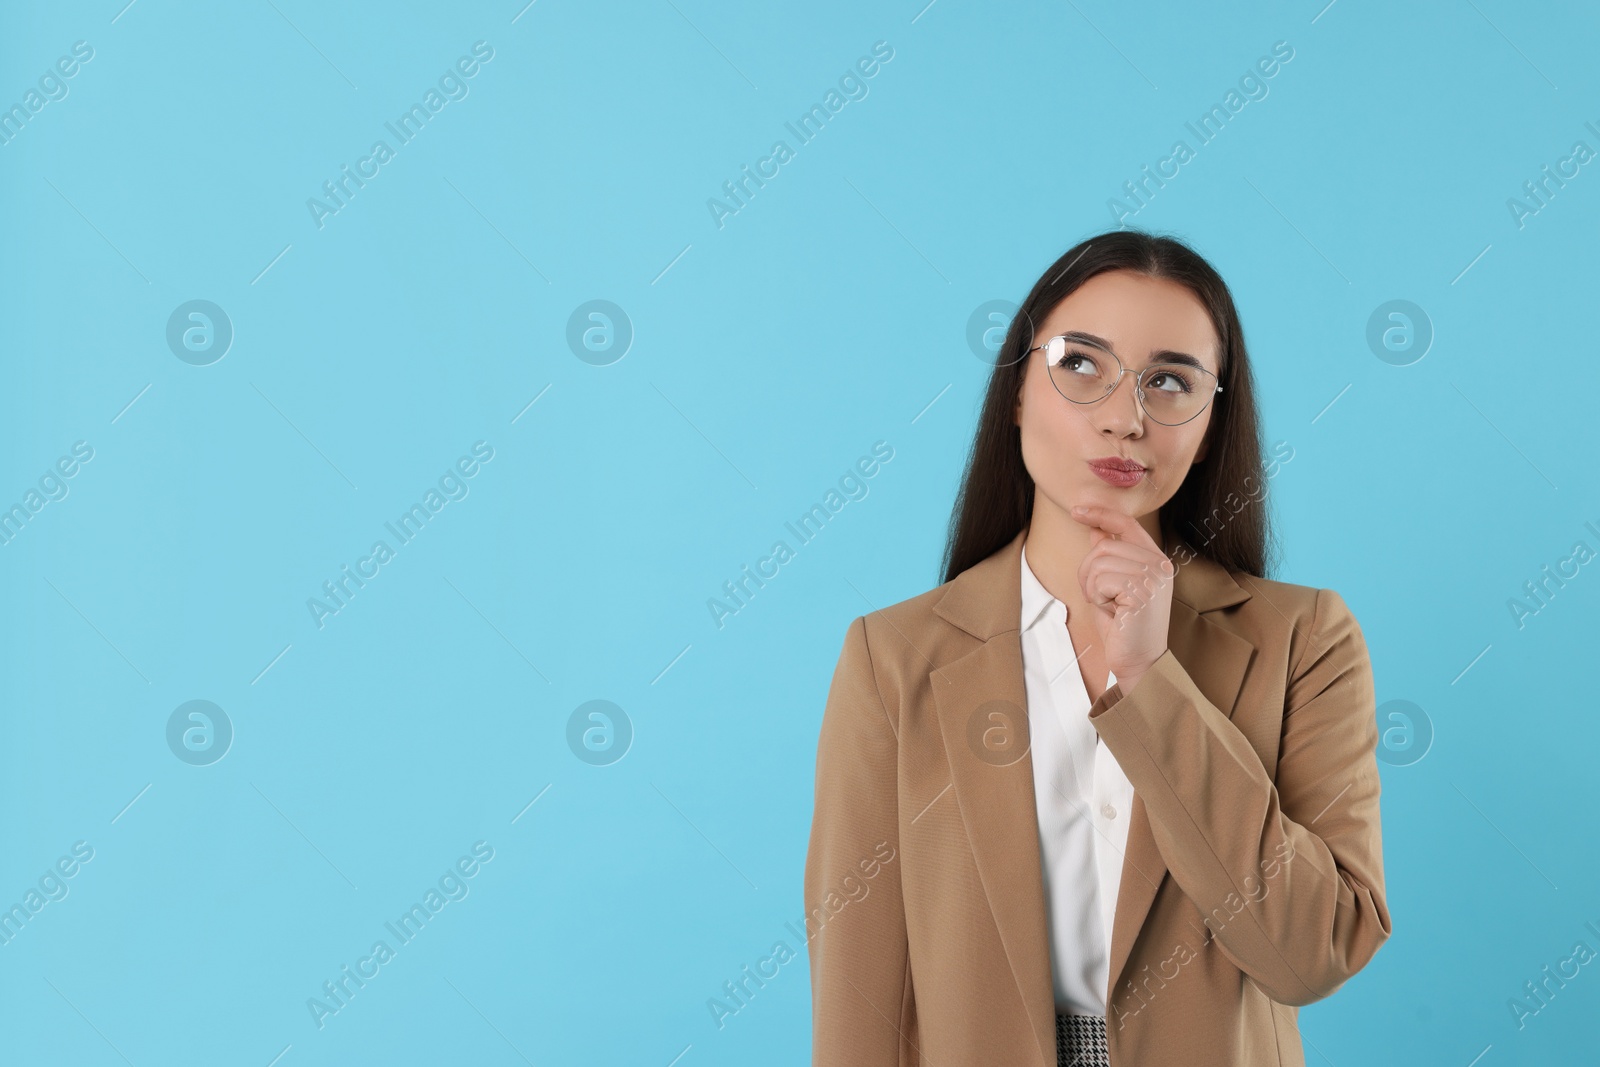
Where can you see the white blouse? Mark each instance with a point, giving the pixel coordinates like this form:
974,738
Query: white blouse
1083,802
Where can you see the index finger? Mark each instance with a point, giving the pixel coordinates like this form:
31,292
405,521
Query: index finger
1115,522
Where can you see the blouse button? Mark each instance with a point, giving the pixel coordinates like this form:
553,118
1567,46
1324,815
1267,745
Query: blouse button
1108,811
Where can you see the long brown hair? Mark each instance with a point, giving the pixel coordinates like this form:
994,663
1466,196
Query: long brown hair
1215,512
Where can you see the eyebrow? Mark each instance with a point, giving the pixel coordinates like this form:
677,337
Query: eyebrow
1165,355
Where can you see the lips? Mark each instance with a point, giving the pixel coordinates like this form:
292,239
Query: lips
1116,463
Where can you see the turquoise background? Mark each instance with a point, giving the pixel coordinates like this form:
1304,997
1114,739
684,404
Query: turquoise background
831,312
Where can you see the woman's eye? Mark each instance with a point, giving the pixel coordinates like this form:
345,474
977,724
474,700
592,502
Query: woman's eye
1077,361
1171,382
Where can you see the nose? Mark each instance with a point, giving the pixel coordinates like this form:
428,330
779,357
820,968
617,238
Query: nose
1120,413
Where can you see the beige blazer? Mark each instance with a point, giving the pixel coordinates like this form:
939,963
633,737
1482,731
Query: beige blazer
1253,877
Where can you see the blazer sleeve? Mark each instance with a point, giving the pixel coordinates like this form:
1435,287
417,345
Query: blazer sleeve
1289,873
855,916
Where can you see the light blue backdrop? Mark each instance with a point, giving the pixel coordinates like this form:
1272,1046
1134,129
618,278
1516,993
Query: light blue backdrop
630,465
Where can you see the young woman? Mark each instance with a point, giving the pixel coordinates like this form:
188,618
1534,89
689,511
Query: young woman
1108,794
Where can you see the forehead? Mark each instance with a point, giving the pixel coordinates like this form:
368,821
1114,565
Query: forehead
1138,315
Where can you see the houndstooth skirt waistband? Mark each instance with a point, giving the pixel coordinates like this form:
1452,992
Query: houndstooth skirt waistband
1081,1040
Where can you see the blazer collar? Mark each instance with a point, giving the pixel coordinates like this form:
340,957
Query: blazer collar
997,802
986,598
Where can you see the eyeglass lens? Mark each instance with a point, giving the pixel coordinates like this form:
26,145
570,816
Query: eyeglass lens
1172,393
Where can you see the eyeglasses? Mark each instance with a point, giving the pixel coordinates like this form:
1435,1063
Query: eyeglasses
1169,393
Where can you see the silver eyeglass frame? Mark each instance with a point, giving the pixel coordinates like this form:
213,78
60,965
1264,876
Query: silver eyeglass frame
1138,380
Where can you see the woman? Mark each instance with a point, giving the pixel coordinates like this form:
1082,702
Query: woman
1108,794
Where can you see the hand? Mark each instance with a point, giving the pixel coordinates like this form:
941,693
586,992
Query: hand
1127,580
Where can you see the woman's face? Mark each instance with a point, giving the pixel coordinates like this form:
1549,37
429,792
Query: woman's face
1136,316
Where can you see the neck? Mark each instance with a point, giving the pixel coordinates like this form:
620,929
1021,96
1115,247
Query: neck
1057,545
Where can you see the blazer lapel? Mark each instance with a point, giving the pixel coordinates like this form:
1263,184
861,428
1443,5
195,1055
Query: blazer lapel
997,808
997,801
